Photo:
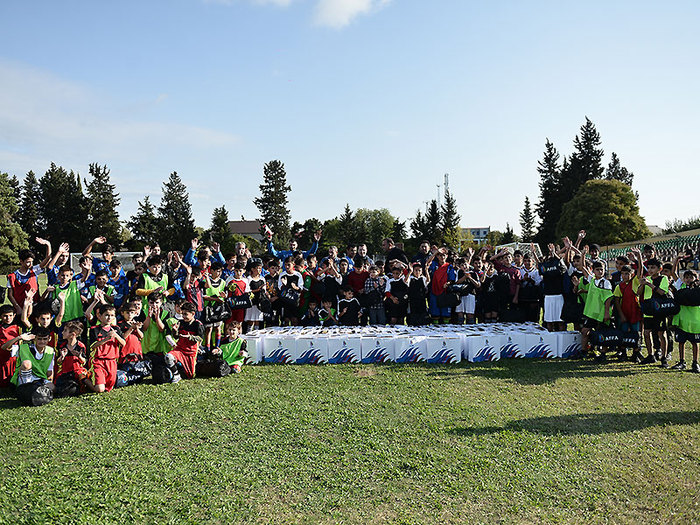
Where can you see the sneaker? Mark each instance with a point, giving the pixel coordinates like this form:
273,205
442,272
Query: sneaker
695,368
176,377
636,357
649,360
621,355
657,354
669,354
664,363
600,358
236,369
169,360
679,366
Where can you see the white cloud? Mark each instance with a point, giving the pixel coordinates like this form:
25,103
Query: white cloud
339,13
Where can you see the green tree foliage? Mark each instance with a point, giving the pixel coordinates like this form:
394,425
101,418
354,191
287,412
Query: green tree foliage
63,207
586,163
617,171
143,225
12,237
347,228
102,203
433,222
220,231
398,230
272,202
494,238
549,206
509,235
449,221
418,226
527,222
375,226
29,216
679,225
607,210
175,222
304,232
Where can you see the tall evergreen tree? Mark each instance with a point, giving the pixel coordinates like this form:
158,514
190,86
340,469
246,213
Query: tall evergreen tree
102,201
617,171
419,226
527,222
433,222
549,206
63,207
12,235
273,201
509,235
176,225
449,218
220,231
586,163
398,230
144,225
347,227
28,214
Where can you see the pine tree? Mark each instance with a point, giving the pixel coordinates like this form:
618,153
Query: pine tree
585,163
29,216
347,227
273,201
449,219
12,235
103,200
144,225
419,226
433,222
220,231
509,235
549,206
527,222
616,171
176,225
398,230
63,207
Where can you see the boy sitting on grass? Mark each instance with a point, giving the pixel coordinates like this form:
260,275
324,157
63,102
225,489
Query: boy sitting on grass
233,348
71,357
34,375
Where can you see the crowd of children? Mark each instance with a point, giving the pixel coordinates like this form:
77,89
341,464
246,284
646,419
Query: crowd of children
173,315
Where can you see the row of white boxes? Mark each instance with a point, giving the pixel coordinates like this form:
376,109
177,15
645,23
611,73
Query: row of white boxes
441,346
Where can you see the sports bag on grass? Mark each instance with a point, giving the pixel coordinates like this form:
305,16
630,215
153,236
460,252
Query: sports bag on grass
290,297
213,368
606,337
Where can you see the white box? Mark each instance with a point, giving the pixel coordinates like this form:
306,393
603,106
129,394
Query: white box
411,349
444,349
542,346
485,348
377,350
279,349
254,346
568,344
513,346
344,349
311,350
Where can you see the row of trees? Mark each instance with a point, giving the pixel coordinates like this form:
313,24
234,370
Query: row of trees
580,192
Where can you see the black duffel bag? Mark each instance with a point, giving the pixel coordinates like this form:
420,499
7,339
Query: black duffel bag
606,337
216,313
447,299
213,368
660,307
35,394
688,296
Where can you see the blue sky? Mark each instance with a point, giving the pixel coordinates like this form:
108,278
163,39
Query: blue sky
367,102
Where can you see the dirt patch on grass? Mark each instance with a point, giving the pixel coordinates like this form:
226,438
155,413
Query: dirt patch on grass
365,372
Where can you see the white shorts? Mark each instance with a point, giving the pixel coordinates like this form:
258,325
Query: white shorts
467,305
552,308
253,314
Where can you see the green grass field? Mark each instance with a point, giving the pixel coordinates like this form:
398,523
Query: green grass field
512,441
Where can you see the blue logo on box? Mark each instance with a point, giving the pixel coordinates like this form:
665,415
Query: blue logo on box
411,355
510,350
487,353
442,357
378,355
310,357
279,356
572,350
344,355
542,350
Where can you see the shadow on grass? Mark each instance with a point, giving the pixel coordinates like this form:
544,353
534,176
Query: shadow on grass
587,424
538,371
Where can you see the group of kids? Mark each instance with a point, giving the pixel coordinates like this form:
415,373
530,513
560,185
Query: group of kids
173,316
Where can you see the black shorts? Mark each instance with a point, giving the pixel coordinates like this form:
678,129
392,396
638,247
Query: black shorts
655,324
685,337
590,323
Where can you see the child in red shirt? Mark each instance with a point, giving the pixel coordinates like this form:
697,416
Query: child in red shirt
8,330
71,357
183,358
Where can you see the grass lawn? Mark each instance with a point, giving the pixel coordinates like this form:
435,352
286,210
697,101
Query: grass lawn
512,441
